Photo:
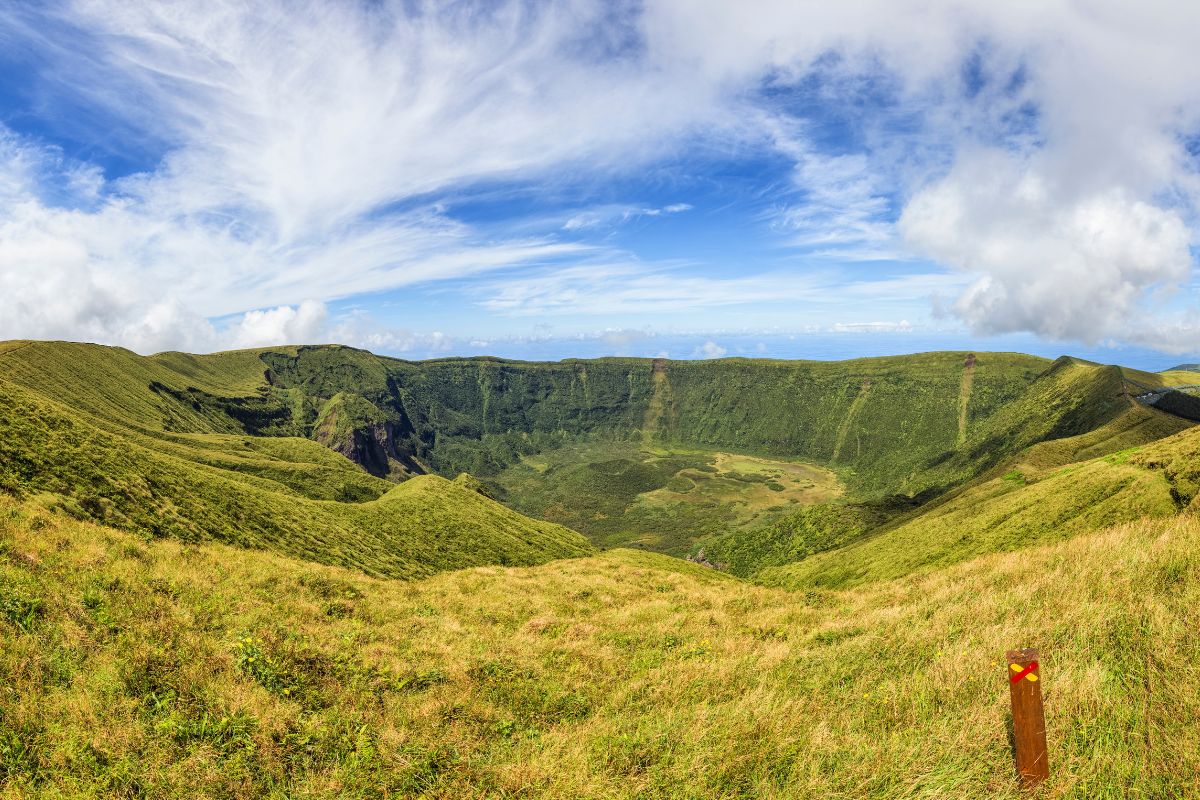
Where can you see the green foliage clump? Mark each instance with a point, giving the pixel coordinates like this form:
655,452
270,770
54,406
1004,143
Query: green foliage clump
266,670
20,603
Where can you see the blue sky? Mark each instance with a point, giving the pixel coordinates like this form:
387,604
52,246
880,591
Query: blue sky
584,178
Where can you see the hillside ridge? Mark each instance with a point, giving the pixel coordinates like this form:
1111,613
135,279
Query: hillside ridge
900,432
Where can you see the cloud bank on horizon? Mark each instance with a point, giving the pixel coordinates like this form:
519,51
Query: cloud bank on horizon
183,176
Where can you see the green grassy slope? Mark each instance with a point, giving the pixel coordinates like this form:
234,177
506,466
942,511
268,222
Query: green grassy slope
892,428
1071,413
115,384
881,420
796,409
161,669
883,417
1121,472
128,454
1070,398
623,493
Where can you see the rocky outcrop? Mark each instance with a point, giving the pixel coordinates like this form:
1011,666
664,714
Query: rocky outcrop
376,440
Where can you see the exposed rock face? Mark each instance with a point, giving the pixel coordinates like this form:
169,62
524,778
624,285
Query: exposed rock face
378,441
377,448
702,559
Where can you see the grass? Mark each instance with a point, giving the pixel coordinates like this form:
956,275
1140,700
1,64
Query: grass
165,669
287,494
1118,473
229,446
884,419
978,502
664,498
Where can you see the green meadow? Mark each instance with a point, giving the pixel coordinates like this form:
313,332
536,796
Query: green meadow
316,572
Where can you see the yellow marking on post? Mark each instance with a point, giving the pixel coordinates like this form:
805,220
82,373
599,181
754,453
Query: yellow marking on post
1017,668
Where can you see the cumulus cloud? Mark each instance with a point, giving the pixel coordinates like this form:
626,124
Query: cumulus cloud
360,329
622,340
281,325
1040,148
709,349
1060,262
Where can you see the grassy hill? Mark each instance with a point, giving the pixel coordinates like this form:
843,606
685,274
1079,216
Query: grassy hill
164,669
132,451
1052,463
906,520
1019,508
236,446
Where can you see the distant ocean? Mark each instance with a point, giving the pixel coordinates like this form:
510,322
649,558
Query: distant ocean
819,346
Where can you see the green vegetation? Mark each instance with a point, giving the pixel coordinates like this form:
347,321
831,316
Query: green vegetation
1052,493
791,538
800,409
628,451
164,669
905,520
105,460
665,499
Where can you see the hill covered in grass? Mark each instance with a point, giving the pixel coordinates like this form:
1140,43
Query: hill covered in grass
165,669
1038,498
881,419
905,521
131,450
295,448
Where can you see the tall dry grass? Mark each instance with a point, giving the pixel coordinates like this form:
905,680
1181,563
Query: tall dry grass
136,669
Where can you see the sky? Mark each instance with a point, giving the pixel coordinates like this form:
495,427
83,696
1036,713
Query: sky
679,178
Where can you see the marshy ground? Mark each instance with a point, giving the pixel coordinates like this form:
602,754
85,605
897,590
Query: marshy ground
661,498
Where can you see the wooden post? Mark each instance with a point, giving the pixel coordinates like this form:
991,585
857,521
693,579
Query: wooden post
1028,716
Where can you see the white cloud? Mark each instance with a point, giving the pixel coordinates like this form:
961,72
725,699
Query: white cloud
709,349
612,215
622,340
1060,182
635,288
292,128
599,289
1060,260
305,143
282,325
361,329
839,210
903,326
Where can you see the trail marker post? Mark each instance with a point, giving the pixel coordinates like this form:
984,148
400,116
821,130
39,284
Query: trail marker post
1028,716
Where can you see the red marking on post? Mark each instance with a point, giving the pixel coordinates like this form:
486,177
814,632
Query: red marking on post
1019,675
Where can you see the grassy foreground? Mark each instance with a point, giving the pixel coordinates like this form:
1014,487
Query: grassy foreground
134,668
